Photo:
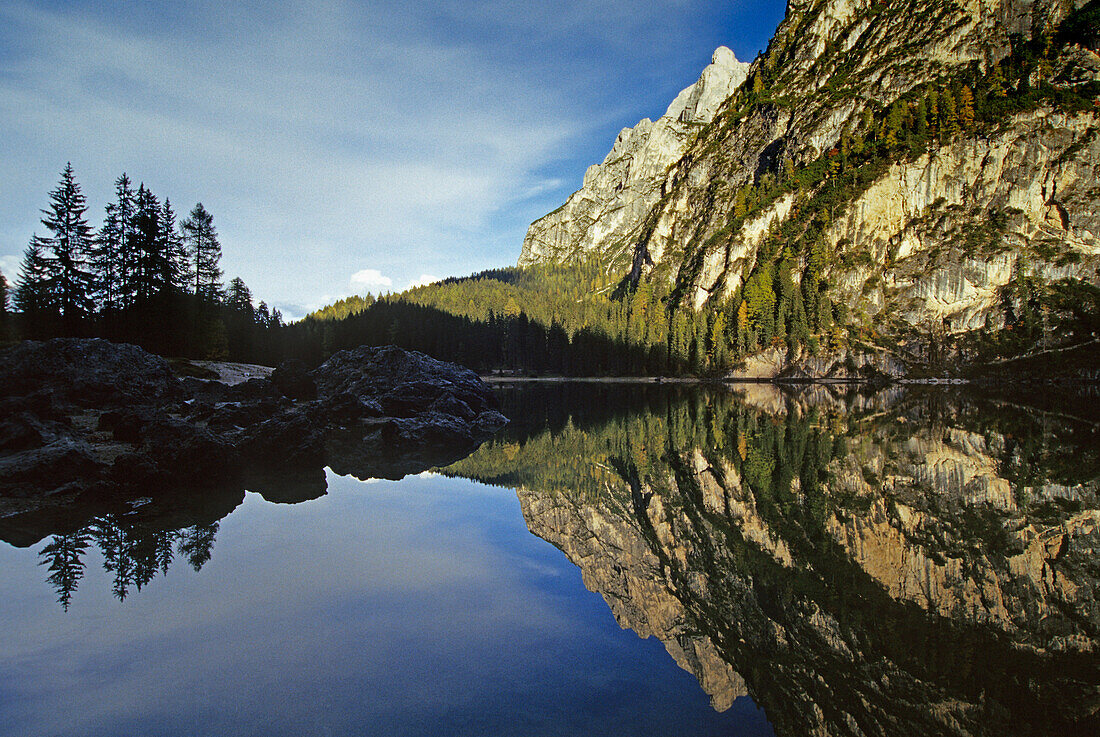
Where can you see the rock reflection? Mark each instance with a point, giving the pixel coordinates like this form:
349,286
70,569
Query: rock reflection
139,536
912,562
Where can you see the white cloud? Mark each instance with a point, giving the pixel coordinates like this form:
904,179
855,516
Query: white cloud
370,279
9,265
424,280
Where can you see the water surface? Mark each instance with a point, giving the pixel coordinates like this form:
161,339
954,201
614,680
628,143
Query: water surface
622,559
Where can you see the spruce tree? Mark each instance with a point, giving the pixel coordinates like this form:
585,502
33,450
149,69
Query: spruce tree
69,252
5,308
263,315
110,255
239,297
172,258
64,556
32,293
124,212
205,253
966,108
145,245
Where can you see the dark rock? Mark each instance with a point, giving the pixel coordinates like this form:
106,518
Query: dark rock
87,373
378,412
240,415
188,455
289,439
292,379
410,378
253,390
127,425
45,470
449,404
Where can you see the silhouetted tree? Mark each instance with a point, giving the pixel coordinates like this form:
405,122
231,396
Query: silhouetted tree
67,253
63,556
110,255
205,252
33,296
196,544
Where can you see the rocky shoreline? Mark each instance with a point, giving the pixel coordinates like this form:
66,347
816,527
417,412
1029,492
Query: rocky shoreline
92,423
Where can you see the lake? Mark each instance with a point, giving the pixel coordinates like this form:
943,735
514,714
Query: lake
621,559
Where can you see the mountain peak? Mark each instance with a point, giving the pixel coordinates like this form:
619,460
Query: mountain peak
724,57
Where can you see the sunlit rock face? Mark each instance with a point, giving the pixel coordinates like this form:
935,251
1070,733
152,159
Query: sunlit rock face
896,564
616,194
926,244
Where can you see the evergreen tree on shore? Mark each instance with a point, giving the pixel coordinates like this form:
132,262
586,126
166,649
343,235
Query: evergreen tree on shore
32,293
5,308
201,240
69,251
110,253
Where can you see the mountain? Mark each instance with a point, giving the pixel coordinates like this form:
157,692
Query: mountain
912,185
619,192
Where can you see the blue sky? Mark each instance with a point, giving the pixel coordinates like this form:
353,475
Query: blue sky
342,147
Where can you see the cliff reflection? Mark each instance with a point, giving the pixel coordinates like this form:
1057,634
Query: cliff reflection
913,562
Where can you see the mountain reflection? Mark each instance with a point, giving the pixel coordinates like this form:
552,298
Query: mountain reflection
911,562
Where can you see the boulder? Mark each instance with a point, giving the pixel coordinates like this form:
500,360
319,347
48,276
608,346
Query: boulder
292,379
84,416
87,373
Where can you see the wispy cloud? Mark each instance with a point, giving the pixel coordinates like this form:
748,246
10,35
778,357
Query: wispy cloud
325,134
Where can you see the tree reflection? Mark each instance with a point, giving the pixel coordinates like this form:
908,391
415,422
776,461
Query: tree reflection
132,549
63,556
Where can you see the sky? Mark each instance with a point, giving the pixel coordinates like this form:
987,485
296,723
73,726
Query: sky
342,147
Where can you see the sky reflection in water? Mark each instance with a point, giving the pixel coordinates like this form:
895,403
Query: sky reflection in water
415,607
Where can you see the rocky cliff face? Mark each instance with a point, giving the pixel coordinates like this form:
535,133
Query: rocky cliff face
603,215
922,246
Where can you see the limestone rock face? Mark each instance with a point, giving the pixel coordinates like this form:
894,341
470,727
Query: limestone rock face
933,238
618,193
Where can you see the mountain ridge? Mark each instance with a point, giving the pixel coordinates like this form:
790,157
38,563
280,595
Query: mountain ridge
835,71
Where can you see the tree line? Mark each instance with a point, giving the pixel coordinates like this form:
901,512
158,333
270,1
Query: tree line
141,277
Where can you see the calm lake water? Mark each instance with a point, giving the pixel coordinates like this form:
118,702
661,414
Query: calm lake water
623,560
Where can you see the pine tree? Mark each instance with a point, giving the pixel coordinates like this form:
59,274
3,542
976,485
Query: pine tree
743,327
920,116
933,106
5,308
33,296
68,252
144,245
263,315
109,251
107,260
205,253
63,556
893,124
966,108
172,263
239,297
124,211
949,114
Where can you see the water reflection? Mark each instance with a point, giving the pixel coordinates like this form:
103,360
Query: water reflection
909,562
133,551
